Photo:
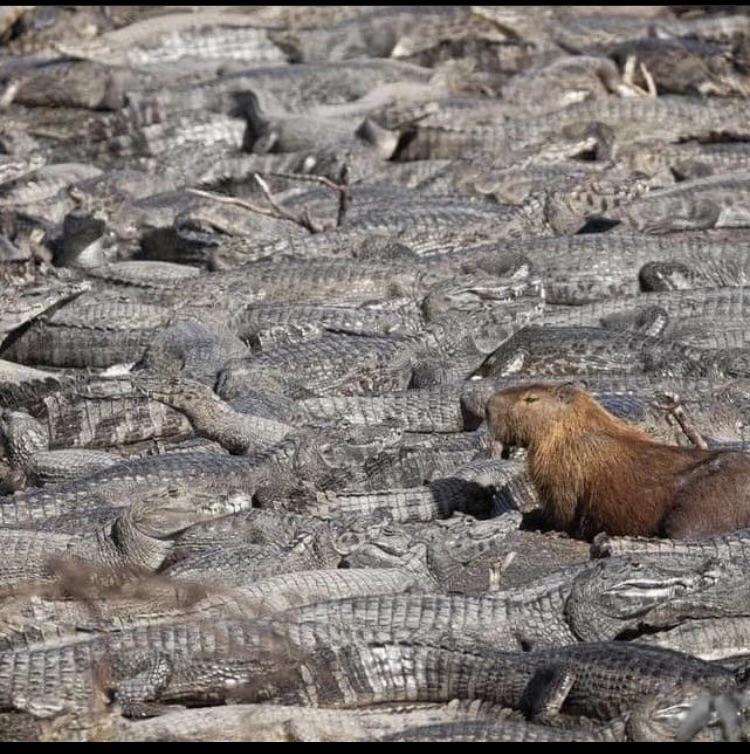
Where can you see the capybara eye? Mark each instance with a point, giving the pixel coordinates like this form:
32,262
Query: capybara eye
531,398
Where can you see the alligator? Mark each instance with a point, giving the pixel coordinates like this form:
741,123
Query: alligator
282,258
718,201
106,413
303,462
22,386
732,546
583,602
668,118
586,268
555,351
449,349
319,666
716,639
136,541
104,606
471,731
27,449
24,305
264,722
712,318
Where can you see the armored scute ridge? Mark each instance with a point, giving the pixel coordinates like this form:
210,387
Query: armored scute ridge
291,301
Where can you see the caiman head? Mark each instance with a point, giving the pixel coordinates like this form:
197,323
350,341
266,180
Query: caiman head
477,290
22,435
623,594
171,510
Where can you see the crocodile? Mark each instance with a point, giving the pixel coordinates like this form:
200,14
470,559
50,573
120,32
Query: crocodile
325,281
712,318
523,619
22,386
548,351
576,679
471,731
581,602
733,545
449,349
436,409
114,486
669,118
256,324
191,348
260,722
586,268
170,38
472,195
23,305
292,88
136,541
376,34
687,160
718,201
105,607
302,463
106,413
716,639
542,683
27,448
652,595
270,723
78,84
683,65
440,498
95,335
45,183
211,417
238,553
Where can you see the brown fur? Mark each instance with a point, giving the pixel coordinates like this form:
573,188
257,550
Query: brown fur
595,472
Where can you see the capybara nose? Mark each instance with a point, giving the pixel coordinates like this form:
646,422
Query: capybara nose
495,405
492,411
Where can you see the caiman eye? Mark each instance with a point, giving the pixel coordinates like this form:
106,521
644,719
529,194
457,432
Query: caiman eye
531,398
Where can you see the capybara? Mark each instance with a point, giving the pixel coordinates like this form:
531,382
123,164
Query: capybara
595,472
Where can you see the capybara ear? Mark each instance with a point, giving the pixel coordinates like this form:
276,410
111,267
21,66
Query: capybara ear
568,391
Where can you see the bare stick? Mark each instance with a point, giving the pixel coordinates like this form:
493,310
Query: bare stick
650,84
342,187
7,97
233,200
304,219
276,212
690,431
306,179
674,409
343,195
629,71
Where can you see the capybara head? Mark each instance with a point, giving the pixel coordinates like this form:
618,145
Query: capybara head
520,415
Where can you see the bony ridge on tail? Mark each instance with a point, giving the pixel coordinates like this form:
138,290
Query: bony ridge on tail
595,472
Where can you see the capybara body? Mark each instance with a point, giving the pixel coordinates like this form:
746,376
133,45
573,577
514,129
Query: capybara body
595,472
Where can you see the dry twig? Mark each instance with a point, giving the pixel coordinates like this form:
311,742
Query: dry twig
277,212
303,219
